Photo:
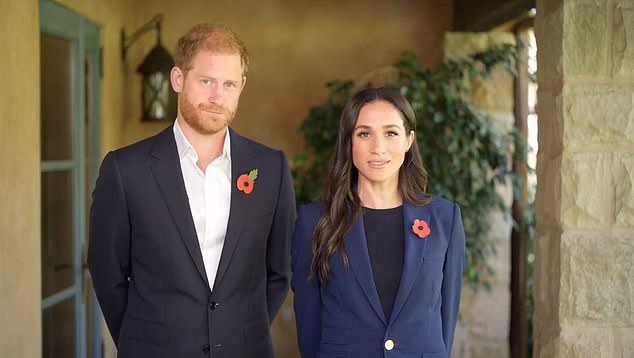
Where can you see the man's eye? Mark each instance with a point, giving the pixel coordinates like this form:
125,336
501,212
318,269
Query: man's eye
205,82
230,84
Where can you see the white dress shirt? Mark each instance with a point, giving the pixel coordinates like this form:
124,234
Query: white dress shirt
209,195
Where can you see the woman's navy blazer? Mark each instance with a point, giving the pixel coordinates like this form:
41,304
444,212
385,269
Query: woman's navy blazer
345,318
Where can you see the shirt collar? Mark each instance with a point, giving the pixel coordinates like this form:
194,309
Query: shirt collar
184,147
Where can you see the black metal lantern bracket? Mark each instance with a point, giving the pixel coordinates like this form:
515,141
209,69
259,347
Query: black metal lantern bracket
127,41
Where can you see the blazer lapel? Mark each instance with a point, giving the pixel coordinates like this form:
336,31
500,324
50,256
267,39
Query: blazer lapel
167,173
414,252
241,163
359,258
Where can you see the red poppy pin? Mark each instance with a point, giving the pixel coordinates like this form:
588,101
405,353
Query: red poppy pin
245,181
421,228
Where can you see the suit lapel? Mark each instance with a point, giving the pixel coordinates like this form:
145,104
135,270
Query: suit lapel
414,252
241,162
357,250
167,173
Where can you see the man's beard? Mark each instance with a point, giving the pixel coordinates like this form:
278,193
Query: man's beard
199,118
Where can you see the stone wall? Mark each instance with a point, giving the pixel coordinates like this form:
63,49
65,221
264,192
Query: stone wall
485,313
584,242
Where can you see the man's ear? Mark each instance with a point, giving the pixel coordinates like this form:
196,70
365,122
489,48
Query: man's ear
244,82
177,78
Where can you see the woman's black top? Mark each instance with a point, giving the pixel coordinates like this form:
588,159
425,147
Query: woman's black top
384,233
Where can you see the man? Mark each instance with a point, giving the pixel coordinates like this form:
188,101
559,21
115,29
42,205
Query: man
190,229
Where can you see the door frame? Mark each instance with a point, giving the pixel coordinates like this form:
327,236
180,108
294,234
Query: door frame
84,36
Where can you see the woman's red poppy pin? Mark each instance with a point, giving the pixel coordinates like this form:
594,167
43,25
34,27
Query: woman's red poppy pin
245,181
421,228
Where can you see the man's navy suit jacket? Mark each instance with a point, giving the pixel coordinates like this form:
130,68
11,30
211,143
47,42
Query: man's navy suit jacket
345,319
147,267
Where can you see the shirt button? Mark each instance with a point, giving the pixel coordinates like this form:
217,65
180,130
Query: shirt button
205,348
389,344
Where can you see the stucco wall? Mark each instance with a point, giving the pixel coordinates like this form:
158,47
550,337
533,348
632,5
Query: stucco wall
20,284
110,16
295,48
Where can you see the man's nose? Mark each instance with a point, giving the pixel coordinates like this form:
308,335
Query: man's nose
216,95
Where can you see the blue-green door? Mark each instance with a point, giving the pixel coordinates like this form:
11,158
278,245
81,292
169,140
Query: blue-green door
69,131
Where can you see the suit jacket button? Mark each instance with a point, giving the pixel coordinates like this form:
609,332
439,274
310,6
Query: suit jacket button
389,344
213,305
206,348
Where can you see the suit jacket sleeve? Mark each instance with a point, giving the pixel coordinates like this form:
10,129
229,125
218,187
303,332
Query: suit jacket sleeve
109,245
278,248
452,279
306,289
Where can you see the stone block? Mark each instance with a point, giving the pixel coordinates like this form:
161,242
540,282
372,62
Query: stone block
461,44
598,114
478,332
585,180
624,342
586,344
500,226
546,283
590,343
596,281
505,190
460,342
550,124
486,304
548,199
547,349
503,121
499,234
585,38
489,349
496,92
623,39
549,35
623,179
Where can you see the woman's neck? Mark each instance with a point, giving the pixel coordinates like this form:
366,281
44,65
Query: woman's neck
379,197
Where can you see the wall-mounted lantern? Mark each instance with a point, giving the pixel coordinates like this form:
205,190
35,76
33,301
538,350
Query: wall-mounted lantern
157,98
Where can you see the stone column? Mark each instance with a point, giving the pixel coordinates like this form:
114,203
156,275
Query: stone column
484,331
584,240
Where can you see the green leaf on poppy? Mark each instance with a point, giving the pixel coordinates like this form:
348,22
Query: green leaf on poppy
253,174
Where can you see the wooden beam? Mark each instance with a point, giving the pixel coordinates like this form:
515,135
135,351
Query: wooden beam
518,337
484,15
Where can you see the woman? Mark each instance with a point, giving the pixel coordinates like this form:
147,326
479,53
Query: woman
377,263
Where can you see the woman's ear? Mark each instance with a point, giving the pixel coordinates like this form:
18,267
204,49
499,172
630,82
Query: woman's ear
411,139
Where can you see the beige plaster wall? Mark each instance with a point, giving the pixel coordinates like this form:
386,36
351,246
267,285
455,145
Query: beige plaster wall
110,16
584,240
295,47
20,283
484,329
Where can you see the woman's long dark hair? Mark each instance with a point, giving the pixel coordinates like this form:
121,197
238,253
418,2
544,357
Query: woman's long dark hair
340,200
